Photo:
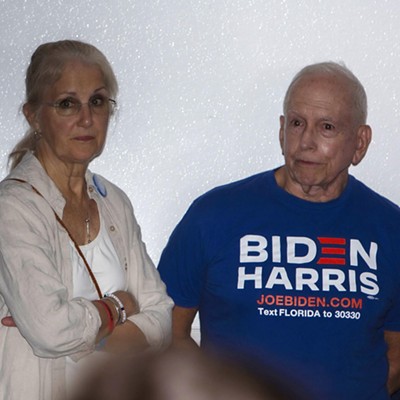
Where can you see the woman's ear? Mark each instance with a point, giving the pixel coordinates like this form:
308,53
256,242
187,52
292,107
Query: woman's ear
31,116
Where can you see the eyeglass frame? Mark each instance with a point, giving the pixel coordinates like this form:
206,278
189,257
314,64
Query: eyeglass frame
57,106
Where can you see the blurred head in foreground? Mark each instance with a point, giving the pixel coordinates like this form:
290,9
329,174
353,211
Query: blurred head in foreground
182,375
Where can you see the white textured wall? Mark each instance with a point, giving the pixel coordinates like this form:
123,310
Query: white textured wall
202,83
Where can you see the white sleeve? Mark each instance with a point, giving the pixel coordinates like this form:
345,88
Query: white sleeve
32,287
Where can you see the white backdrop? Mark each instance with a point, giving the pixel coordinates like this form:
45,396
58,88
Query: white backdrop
201,86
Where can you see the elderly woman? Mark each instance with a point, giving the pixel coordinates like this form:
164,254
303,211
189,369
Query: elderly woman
75,278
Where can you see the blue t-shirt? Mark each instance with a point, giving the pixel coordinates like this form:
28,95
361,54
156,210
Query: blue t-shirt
307,288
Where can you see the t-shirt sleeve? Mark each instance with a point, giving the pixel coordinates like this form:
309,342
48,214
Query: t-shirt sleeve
182,263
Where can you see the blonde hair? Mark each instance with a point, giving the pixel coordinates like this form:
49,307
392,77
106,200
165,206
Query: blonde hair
46,66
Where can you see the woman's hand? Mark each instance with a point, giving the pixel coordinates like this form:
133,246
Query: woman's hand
109,313
128,300
8,321
126,337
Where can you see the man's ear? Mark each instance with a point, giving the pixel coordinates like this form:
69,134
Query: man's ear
31,116
364,135
281,131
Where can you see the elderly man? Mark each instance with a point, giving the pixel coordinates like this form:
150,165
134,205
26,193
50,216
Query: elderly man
298,266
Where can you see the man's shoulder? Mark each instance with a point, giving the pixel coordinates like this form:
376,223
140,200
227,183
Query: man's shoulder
241,189
253,182
374,203
372,196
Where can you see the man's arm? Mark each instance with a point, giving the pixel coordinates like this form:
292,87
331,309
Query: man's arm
182,320
393,354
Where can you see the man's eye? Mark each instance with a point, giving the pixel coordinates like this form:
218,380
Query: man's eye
67,103
296,122
328,127
97,101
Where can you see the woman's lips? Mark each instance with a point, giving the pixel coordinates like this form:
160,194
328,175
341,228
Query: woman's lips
84,138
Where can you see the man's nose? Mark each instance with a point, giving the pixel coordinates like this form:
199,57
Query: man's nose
308,137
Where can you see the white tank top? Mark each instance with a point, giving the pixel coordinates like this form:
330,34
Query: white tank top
110,275
104,263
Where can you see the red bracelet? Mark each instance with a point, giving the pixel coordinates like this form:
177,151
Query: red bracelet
110,316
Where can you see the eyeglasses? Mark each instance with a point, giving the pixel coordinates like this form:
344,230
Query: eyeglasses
70,106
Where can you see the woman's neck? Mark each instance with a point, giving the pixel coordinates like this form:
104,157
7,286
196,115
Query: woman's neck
69,178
